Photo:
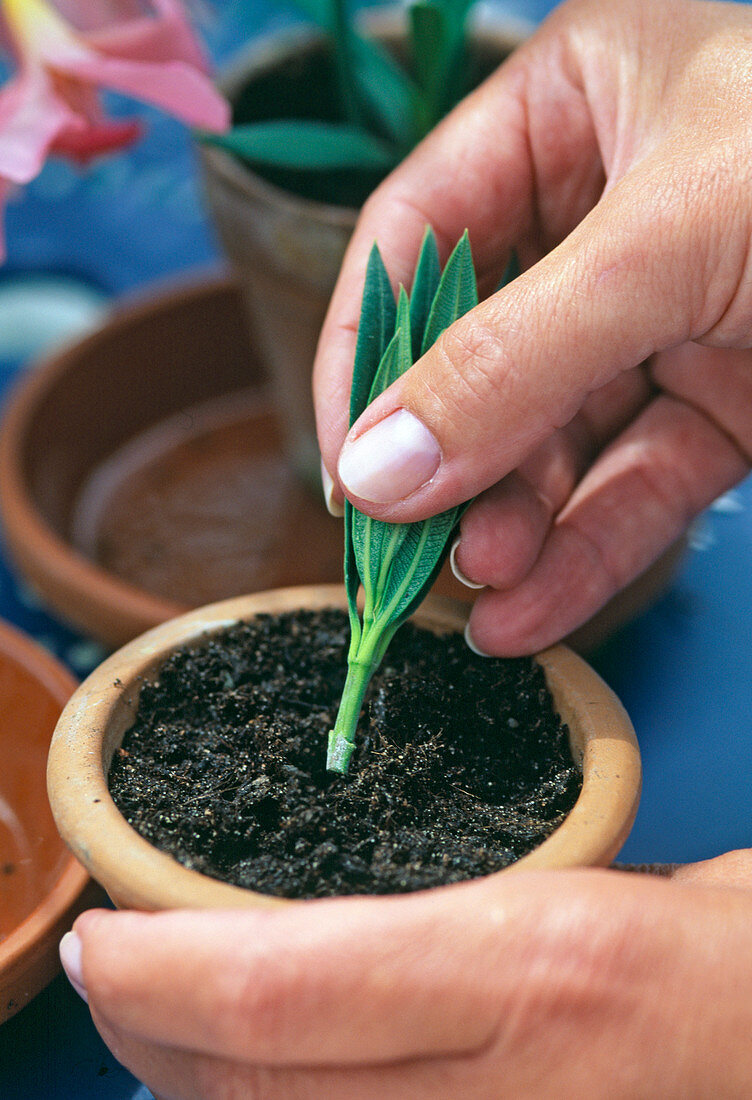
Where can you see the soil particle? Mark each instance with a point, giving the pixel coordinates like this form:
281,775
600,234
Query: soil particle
462,765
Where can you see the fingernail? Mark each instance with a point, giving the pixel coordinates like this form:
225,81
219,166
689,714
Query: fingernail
333,507
391,460
471,644
70,957
456,569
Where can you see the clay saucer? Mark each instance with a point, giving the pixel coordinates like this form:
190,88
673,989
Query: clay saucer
42,887
143,472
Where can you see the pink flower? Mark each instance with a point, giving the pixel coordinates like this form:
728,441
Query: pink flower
67,51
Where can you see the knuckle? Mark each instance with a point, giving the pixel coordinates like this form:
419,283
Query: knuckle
471,368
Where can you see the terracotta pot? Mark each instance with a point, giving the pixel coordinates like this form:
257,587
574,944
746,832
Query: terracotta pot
137,875
287,250
42,887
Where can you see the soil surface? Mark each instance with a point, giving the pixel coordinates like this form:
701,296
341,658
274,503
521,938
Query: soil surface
462,765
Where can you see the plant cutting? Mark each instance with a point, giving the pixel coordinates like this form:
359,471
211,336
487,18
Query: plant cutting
395,563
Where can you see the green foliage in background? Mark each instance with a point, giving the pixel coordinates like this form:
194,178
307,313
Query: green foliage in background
385,107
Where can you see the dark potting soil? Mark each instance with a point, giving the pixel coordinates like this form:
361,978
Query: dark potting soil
462,765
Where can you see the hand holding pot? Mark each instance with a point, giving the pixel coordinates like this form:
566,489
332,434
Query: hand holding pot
563,981
603,398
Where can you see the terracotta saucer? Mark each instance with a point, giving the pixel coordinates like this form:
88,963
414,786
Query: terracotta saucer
42,887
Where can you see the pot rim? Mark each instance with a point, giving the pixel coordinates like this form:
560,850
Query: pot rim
139,875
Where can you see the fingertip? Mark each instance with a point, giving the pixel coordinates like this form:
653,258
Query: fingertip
71,950
332,497
457,571
472,644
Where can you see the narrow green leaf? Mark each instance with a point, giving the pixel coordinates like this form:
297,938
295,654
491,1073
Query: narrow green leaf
438,47
369,536
431,34
343,37
457,293
386,90
398,357
377,321
307,145
425,284
352,578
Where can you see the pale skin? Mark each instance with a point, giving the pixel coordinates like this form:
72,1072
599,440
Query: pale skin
597,404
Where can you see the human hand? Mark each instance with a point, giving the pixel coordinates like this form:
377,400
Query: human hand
604,398
546,984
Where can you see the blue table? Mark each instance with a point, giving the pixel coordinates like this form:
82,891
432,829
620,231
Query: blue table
683,670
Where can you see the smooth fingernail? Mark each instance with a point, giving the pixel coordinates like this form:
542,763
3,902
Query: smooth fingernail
456,569
333,507
391,460
472,645
70,957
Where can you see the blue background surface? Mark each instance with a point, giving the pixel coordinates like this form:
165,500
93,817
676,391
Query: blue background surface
683,670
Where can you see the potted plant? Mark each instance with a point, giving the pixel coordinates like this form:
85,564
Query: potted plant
425,804
319,118
137,874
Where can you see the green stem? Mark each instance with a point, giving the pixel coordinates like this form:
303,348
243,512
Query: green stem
342,737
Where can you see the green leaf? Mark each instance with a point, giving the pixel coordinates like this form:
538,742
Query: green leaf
303,144
387,91
398,357
456,295
352,579
396,563
425,284
431,41
369,535
376,328
438,47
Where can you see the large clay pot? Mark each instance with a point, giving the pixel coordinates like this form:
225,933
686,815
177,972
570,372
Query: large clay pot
287,250
137,875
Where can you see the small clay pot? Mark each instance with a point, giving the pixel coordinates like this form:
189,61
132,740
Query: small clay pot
137,875
42,887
